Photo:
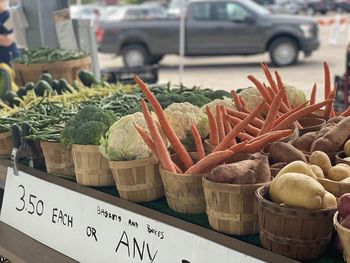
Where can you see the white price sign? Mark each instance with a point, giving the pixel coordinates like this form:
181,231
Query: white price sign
90,230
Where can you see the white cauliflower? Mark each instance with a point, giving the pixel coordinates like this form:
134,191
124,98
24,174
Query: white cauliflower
253,98
181,117
226,102
122,142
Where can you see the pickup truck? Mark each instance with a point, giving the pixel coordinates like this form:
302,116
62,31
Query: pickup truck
212,28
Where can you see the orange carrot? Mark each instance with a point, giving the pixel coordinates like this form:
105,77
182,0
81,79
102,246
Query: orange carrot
256,122
346,113
244,136
327,80
249,128
332,113
238,147
164,122
147,139
269,78
328,110
220,122
238,128
284,116
271,115
198,141
313,95
214,135
236,100
263,91
263,140
209,162
178,169
161,149
280,86
244,106
227,124
287,122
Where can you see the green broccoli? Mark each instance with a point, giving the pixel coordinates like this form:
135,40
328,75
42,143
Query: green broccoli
216,94
87,126
196,99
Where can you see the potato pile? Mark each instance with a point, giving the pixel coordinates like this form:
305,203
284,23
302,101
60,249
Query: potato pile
339,172
329,139
252,171
296,186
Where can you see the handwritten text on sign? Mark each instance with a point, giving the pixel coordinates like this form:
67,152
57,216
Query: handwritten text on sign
89,230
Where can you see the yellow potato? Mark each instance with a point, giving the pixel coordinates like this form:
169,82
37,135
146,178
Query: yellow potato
299,190
298,167
339,172
317,170
322,160
347,148
347,159
329,201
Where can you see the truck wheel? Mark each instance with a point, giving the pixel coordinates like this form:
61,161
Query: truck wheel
283,51
135,55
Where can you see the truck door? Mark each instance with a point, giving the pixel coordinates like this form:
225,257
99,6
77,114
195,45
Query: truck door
220,27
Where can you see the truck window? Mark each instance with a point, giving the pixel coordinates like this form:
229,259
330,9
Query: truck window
200,11
229,11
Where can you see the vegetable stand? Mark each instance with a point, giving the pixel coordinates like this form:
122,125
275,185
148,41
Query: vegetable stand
193,160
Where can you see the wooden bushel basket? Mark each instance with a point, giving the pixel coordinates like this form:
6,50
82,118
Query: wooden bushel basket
91,168
344,236
63,69
231,208
5,144
297,233
184,192
311,125
58,160
334,187
138,180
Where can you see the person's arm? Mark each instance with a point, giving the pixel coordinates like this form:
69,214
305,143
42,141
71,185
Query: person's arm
5,40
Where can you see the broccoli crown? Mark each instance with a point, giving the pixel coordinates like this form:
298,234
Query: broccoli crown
216,94
87,126
196,99
90,133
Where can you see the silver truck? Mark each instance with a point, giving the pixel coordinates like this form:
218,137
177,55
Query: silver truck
212,28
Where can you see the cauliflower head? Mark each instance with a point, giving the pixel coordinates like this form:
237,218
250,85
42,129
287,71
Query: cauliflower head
181,117
122,142
253,98
226,102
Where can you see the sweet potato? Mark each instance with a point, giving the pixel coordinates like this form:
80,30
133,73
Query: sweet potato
333,139
304,142
335,119
243,172
285,152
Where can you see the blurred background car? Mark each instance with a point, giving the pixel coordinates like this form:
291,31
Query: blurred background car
313,7
342,5
134,12
84,11
282,6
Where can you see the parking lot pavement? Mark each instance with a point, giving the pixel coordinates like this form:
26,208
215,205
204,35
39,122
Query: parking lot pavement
230,72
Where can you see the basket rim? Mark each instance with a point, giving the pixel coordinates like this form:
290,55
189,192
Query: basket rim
135,163
205,180
5,135
166,172
56,64
260,198
90,147
337,224
332,182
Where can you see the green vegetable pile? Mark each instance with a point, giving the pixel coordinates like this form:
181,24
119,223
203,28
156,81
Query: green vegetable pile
48,55
87,126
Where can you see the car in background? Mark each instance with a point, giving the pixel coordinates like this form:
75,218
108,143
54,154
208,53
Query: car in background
84,11
282,6
342,5
134,12
313,7
213,28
